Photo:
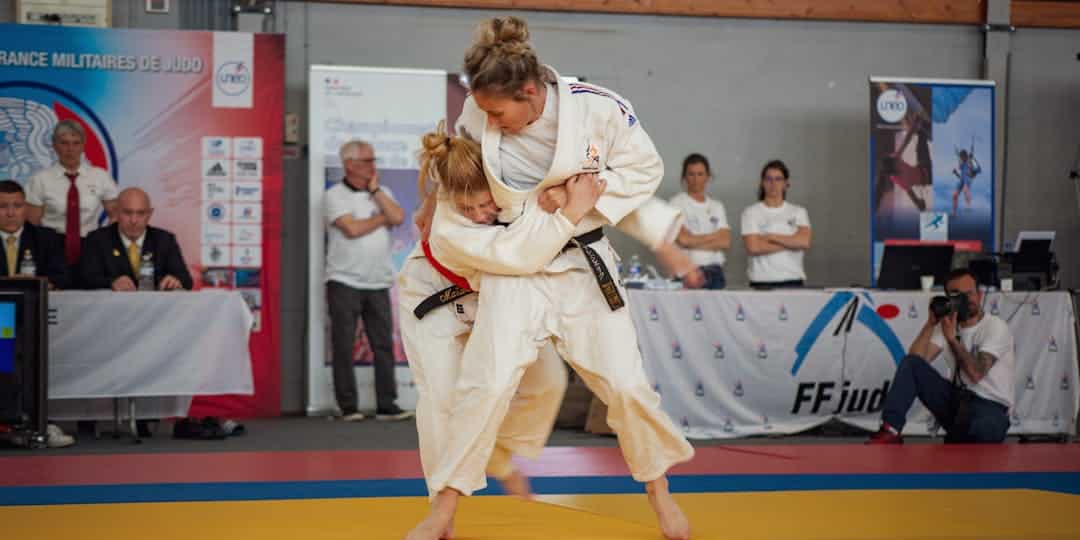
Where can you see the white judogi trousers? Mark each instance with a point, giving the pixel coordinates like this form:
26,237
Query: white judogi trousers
515,318
434,346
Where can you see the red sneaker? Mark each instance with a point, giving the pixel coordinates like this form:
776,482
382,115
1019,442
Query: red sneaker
886,435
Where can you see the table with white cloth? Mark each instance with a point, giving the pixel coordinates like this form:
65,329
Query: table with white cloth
741,363
158,349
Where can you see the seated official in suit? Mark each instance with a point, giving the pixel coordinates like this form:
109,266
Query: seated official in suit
29,250
112,256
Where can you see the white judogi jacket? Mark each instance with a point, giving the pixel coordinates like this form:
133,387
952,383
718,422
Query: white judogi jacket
598,132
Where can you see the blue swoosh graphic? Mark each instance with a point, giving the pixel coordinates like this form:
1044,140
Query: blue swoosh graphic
838,301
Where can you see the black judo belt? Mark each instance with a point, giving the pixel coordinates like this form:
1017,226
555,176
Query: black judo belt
440,299
600,271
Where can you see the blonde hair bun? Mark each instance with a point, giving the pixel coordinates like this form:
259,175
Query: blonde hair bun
449,162
436,144
501,60
502,31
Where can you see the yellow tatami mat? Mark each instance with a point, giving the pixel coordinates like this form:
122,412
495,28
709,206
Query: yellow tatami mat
862,514
885,515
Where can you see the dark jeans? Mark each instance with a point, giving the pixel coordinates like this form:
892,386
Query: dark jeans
346,305
714,277
795,283
916,378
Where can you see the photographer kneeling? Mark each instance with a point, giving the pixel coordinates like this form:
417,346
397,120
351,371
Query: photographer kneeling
974,405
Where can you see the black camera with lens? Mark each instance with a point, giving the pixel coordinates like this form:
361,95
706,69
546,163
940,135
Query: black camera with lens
942,306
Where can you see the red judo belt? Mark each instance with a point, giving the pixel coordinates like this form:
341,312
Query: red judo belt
459,288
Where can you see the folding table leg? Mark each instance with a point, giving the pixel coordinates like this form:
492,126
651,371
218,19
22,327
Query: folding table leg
132,425
116,418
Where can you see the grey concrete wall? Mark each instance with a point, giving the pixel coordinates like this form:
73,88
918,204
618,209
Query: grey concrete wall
1044,141
125,14
132,14
739,91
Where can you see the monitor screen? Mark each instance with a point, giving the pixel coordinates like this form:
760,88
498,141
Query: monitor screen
1033,256
903,266
7,337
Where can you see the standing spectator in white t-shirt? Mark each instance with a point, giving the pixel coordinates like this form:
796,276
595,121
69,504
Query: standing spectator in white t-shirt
706,233
359,273
70,196
776,232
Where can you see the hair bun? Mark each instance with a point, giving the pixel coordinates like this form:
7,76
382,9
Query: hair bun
501,60
436,143
504,31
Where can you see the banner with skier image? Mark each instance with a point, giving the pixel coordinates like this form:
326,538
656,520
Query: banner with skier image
931,164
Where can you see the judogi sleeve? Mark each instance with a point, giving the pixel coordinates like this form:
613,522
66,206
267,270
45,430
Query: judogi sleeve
524,247
470,123
654,223
633,170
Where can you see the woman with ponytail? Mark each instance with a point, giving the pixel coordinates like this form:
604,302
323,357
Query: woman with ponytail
436,308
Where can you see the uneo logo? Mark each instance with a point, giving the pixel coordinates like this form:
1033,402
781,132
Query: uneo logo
233,78
891,106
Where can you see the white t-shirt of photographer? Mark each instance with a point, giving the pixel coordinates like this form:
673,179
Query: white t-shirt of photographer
990,335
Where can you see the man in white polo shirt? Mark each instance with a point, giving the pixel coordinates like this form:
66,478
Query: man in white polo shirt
69,197
359,272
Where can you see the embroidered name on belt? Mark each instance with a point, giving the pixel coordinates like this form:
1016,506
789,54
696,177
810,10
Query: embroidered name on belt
439,299
600,272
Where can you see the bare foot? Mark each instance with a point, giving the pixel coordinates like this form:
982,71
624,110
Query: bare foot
440,521
449,532
516,484
673,523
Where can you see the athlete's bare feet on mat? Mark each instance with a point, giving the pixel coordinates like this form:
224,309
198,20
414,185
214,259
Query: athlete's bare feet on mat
439,522
516,484
673,523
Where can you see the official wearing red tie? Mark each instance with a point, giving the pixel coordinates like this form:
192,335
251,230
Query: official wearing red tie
71,196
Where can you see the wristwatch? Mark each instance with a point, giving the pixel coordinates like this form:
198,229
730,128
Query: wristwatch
374,191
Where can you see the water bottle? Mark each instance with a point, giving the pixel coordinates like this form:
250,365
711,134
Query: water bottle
635,267
634,278
27,267
146,273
